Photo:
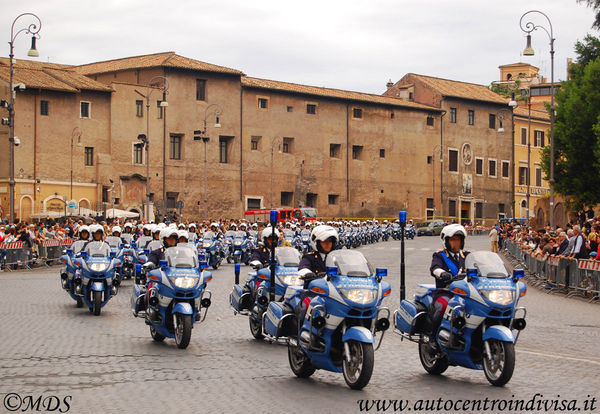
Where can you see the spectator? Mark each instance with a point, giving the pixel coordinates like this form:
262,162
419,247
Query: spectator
563,244
579,250
494,238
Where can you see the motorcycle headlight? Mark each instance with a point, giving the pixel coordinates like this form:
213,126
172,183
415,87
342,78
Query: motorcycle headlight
293,280
499,296
185,282
206,244
362,296
304,239
98,267
237,243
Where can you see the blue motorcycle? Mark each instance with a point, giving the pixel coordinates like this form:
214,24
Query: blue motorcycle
409,231
241,252
96,275
128,256
480,326
228,245
210,246
342,319
176,294
254,299
68,273
305,240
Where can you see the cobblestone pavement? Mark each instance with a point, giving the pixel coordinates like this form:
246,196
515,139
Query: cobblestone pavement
110,364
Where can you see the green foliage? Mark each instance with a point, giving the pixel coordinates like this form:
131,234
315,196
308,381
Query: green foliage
594,4
507,89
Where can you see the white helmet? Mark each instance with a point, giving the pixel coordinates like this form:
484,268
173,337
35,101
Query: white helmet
128,226
267,232
84,228
147,227
181,226
183,233
117,229
166,233
243,226
450,231
172,226
322,233
95,228
155,229
214,224
192,225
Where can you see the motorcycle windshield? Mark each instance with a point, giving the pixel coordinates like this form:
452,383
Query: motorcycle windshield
288,234
240,235
97,249
305,233
209,236
230,234
488,264
182,256
113,241
349,263
287,256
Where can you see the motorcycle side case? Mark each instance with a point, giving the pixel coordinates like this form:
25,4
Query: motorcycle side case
235,298
277,320
137,292
410,318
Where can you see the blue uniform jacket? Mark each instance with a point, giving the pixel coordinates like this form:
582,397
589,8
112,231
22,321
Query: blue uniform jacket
438,262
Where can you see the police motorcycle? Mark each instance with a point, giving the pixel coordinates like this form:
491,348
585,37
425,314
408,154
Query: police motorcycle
385,232
97,275
69,271
241,252
228,238
211,247
176,295
252,239
409,231
396,231
305,240
286,278
480,326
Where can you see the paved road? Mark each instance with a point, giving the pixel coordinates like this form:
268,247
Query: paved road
110,364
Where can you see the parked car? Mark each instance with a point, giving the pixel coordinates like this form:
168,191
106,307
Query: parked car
430,228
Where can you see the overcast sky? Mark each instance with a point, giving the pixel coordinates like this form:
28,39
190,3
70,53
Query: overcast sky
345,44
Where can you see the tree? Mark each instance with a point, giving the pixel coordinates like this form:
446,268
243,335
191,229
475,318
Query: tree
577,132
594,4
507,89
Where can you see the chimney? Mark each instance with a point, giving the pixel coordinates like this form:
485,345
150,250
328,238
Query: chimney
389,84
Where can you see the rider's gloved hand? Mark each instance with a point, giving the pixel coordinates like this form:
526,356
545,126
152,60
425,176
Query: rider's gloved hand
149,266
445,276
256,264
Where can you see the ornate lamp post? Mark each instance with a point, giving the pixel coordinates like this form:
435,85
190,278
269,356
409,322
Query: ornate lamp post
512,104
528,28
33,29
273,142
75,133
145,138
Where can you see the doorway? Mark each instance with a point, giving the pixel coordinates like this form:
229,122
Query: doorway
465,212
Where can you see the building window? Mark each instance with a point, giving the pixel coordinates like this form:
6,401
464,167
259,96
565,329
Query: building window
478,210
105,194
286,198
538,176
139,108
84,109
288,145
290,108
392,115
505,169
501,208
175,147
357,152
479,166
523,136
263,103
138,153
492,123
429,159
452,208
254,142
430,203
453,115
539,139
381,153
410,96
253,203
356,113
492,168
224,149
159,110
200,89
334,150
89,156
429,121
430,208
44,108
311,199
333,199
522,175
172,199
311,109
453,160
471,117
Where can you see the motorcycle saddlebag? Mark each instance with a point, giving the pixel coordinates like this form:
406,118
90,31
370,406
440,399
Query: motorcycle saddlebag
405,317
235,298
136,299
277,318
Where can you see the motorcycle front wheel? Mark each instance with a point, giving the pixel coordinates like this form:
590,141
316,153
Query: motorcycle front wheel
499,366
299,362
79,302
97,302
255,325
433,363
358,371
158,337
183,330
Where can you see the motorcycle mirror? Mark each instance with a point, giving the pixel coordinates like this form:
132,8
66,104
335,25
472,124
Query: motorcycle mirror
163,263
380,272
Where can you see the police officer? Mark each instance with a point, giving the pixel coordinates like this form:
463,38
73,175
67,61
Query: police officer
262,254
446,264
169,237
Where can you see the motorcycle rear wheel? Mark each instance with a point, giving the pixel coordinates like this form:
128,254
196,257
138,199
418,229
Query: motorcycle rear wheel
499,366
299,362
158,337
97,302
183,330
79,302
255,326
358,371
433,364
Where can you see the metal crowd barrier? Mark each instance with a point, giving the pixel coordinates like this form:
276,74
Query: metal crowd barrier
17,255
572,277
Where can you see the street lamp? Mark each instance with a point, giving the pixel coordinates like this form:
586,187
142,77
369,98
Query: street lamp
33,29
76,132
145,139
512,104
217,109
273,142
528,28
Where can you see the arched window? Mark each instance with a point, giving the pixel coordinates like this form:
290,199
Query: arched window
508,77
523,203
